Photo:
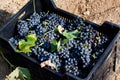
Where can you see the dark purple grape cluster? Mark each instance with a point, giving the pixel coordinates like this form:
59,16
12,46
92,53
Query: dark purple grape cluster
34,20
64,53
76,55
14,41
51,35
40,30
43,55
71,66
56,61
22,28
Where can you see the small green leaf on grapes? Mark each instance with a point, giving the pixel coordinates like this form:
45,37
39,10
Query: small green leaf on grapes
54,46
59,45
24,46
94,56
71,35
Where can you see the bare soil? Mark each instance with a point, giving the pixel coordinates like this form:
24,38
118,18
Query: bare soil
96,11
9,8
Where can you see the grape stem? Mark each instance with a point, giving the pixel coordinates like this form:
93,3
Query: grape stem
11,65
47,33
34,6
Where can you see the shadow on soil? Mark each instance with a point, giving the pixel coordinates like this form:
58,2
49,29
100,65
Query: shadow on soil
4,16
4,69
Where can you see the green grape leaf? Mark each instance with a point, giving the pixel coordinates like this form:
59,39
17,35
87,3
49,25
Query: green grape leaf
24,46
56,30
20,73
58,45
70,35
46,22
25,73
94,56
54,46
64,41
31,37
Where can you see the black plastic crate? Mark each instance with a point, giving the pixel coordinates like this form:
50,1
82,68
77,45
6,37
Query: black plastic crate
100,69
117,56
